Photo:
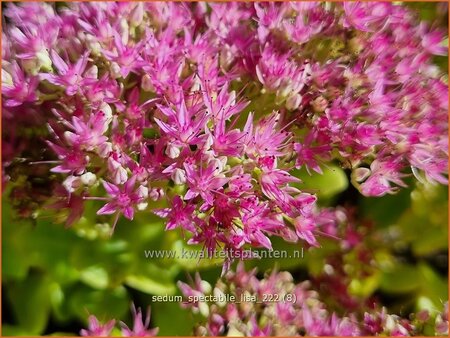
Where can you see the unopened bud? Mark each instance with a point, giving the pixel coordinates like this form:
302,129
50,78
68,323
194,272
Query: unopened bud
88,179
293,101
172,151
104,149
137,14
360,174
319,104
6,78
115,70
92,72
106,109
178,176
72,183
146,84
156,194
44,61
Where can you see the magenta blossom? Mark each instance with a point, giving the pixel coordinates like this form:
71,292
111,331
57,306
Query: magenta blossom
70,77
140,327
179,215
16,87
95,329
204,181
123,199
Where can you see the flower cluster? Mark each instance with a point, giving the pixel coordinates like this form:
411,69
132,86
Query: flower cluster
276,306
199,112
140,326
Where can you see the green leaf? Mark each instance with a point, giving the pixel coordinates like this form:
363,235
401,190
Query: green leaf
434,287
386,210
95,276
365,287
294,255
152,279
13,330
401,278
190,258
30,300
171,319
150,133
15,258
104,304
332,182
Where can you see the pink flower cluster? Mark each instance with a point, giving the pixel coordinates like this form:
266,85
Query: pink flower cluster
199,112
276,306
140,326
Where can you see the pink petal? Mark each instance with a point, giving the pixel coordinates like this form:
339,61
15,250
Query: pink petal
129,213
107,209
110,188
190,194
59,62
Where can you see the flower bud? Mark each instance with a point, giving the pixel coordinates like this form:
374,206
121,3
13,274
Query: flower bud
44,61
6,78
146,83
142,192
293,101
360,174
390,323
125,30
106,109
172,151
137,14
204,309
205,287
142,206
115,70
319,104
104,149
178,176
93,44
92,72
118,173
220,296
72,183
156,194
88,179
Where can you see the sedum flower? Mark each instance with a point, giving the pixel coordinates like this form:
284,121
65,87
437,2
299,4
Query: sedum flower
208,109
95,329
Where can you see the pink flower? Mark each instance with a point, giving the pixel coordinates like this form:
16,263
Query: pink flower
127,58
204,181
208,236
17,88
88,135
184,125
123,199
364,15
258,222
70,77
275,183
305,227
140,327
433,41
264,140
310,156
179,215
95,329
34,42
380,179
73,160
